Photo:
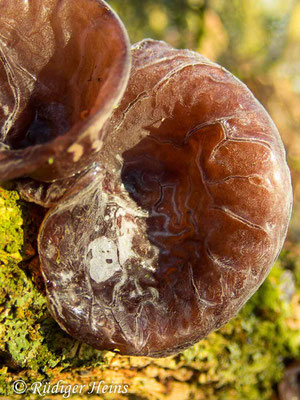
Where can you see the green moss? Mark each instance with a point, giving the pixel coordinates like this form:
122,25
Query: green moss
24,319
243,360
11,238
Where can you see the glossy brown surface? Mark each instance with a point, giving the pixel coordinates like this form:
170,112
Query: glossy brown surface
64,66
289,388
181,220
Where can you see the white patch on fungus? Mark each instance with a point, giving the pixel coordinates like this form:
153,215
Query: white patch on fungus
127,231
77,149
104,262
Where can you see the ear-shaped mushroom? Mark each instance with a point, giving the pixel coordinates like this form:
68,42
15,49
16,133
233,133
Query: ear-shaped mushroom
182,219
64,66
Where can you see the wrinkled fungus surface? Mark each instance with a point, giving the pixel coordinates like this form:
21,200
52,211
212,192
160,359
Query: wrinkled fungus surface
179,220
64,66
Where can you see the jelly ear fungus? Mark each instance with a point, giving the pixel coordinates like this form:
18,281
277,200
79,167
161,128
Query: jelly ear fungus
64,66
181,218
166,213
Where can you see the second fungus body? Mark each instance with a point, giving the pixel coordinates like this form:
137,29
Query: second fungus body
64,66
180,218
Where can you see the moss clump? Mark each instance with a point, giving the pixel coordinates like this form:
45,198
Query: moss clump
11,235
243,360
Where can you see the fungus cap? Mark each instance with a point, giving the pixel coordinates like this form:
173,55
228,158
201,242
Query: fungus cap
180,220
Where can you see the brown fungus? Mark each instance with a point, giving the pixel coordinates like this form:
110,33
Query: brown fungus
64,66
180,219
289,388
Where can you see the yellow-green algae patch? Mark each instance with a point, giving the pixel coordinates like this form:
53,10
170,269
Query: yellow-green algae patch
243,360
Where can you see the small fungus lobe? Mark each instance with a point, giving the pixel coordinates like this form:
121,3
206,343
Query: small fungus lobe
52,101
